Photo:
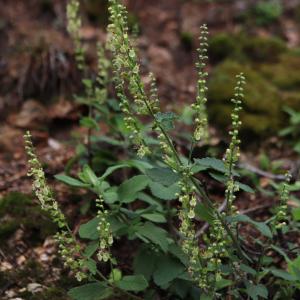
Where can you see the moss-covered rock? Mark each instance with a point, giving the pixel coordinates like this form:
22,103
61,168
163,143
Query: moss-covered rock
262,110
17,210
224,45
284,74
263,49
244,48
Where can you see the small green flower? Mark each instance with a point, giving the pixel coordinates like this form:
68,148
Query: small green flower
74,26
106,237
67,246
201,130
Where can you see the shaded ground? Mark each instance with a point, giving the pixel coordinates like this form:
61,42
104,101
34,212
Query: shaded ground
37,79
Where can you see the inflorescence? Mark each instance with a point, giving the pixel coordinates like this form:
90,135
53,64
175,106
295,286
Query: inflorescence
201,130
74,26
69,249
106,237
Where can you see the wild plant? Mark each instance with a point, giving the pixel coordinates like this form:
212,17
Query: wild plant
158,200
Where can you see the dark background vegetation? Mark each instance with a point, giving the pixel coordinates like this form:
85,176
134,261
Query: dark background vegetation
38,77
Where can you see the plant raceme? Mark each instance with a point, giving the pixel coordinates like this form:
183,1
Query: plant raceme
153,201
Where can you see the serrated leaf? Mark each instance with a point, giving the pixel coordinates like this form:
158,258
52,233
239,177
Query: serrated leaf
154,234
110,196
178,252
91,291
144,263
282,274
167,269
91,265
245,188
90,176
164,176
166,119
129,189
90,249
204,213
260,226
110,170
89,123
135,283
71,181
155,217
213,163
162,192
255,291
296,213
89,230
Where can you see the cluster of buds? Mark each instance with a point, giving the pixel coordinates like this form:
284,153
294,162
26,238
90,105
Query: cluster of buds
187,198
153,99
281,212
233,152
68,247
69,251
74,26
126,70
106,237
102,75
201,130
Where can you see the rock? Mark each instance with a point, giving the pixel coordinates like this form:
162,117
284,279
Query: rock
35,288
262,108
284,74
32,115
240,47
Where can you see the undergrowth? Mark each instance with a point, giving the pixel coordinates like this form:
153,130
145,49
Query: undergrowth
153,198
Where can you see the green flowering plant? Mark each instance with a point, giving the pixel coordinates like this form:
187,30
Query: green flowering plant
152,199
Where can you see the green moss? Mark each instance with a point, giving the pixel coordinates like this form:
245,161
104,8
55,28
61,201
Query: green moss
51,293
262,107
260,49
186,40
17,210
224,45
284,74
242,47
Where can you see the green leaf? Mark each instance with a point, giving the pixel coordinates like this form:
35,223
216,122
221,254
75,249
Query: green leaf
128,190
155,217
144,262
178,253
283,274
110,170
245,188
222,178
162,192
89,230
166,119
154,234
135,283
91,291
110,196
89,123
91,265
248,269
164,176
296,213
90,249
71,181
213,163
204,213
167,269
255,291
90,176
260,226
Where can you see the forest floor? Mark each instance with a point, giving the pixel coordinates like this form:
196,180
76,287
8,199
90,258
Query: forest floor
37,80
